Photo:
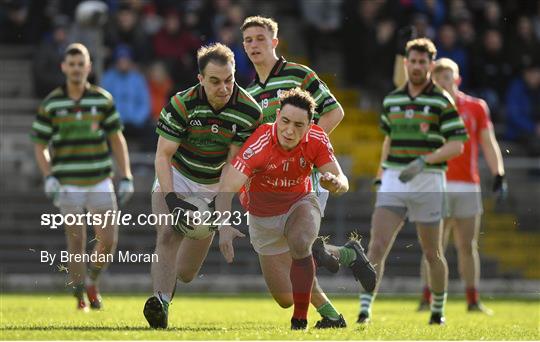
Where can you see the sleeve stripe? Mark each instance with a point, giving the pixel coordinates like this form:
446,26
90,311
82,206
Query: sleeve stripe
181,106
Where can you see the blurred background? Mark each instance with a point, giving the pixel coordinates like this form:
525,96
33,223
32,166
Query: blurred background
144,51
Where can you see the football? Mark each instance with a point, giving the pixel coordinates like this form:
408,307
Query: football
196,225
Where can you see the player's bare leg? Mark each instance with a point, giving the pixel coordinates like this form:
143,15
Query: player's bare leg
385,225
425,302
76,243
163,275
466,233
430,237
106,239
190,257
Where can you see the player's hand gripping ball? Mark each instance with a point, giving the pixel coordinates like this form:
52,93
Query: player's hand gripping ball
192,216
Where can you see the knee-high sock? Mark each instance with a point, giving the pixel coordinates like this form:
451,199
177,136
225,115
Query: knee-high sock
302,276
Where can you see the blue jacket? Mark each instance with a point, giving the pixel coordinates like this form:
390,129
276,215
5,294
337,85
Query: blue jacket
520,119
131,95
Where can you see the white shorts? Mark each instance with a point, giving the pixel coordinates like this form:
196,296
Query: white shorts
321,193
464,199
422,198
267,234
185,186
73,199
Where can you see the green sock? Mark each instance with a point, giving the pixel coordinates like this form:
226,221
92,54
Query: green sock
328,310
346,256
438,301
366,299
78,291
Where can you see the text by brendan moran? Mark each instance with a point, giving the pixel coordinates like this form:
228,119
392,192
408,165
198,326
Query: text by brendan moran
120,256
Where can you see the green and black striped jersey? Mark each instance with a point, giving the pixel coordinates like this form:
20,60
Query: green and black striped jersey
420,125
286,75
205,134
77,132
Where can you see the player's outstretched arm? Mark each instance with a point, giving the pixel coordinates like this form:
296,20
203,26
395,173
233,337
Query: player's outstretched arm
231,182
333,179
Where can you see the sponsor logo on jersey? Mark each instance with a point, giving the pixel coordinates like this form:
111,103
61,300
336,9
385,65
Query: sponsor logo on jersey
284,182
61,112
394,109
248,153
167,117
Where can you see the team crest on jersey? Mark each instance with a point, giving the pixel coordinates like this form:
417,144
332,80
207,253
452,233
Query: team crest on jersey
409,113
248,153
424,127
302,162
195,123
94,127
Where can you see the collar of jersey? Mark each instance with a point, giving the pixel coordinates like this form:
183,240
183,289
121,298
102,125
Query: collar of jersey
204,99
86,87
276,69
427,88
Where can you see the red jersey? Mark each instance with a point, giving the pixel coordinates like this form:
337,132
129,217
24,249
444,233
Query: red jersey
475,115
279,178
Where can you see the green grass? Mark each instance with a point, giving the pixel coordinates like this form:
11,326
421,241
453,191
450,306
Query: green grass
52,317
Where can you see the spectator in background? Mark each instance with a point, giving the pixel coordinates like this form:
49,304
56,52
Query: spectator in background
160,86
359,28
423,27
492,71
321,21
15,27
523,108
228,34
50,54
448,47
492,17
128,86
524,44
466,31
434,9
177,46
126,28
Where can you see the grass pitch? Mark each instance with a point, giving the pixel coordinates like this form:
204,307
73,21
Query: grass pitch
53,317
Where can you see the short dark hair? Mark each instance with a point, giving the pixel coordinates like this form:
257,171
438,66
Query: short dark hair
421,45
259,21
299,98
217,53
76,49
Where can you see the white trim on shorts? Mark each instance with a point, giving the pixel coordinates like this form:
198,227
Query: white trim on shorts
74,199
464,199
423,196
